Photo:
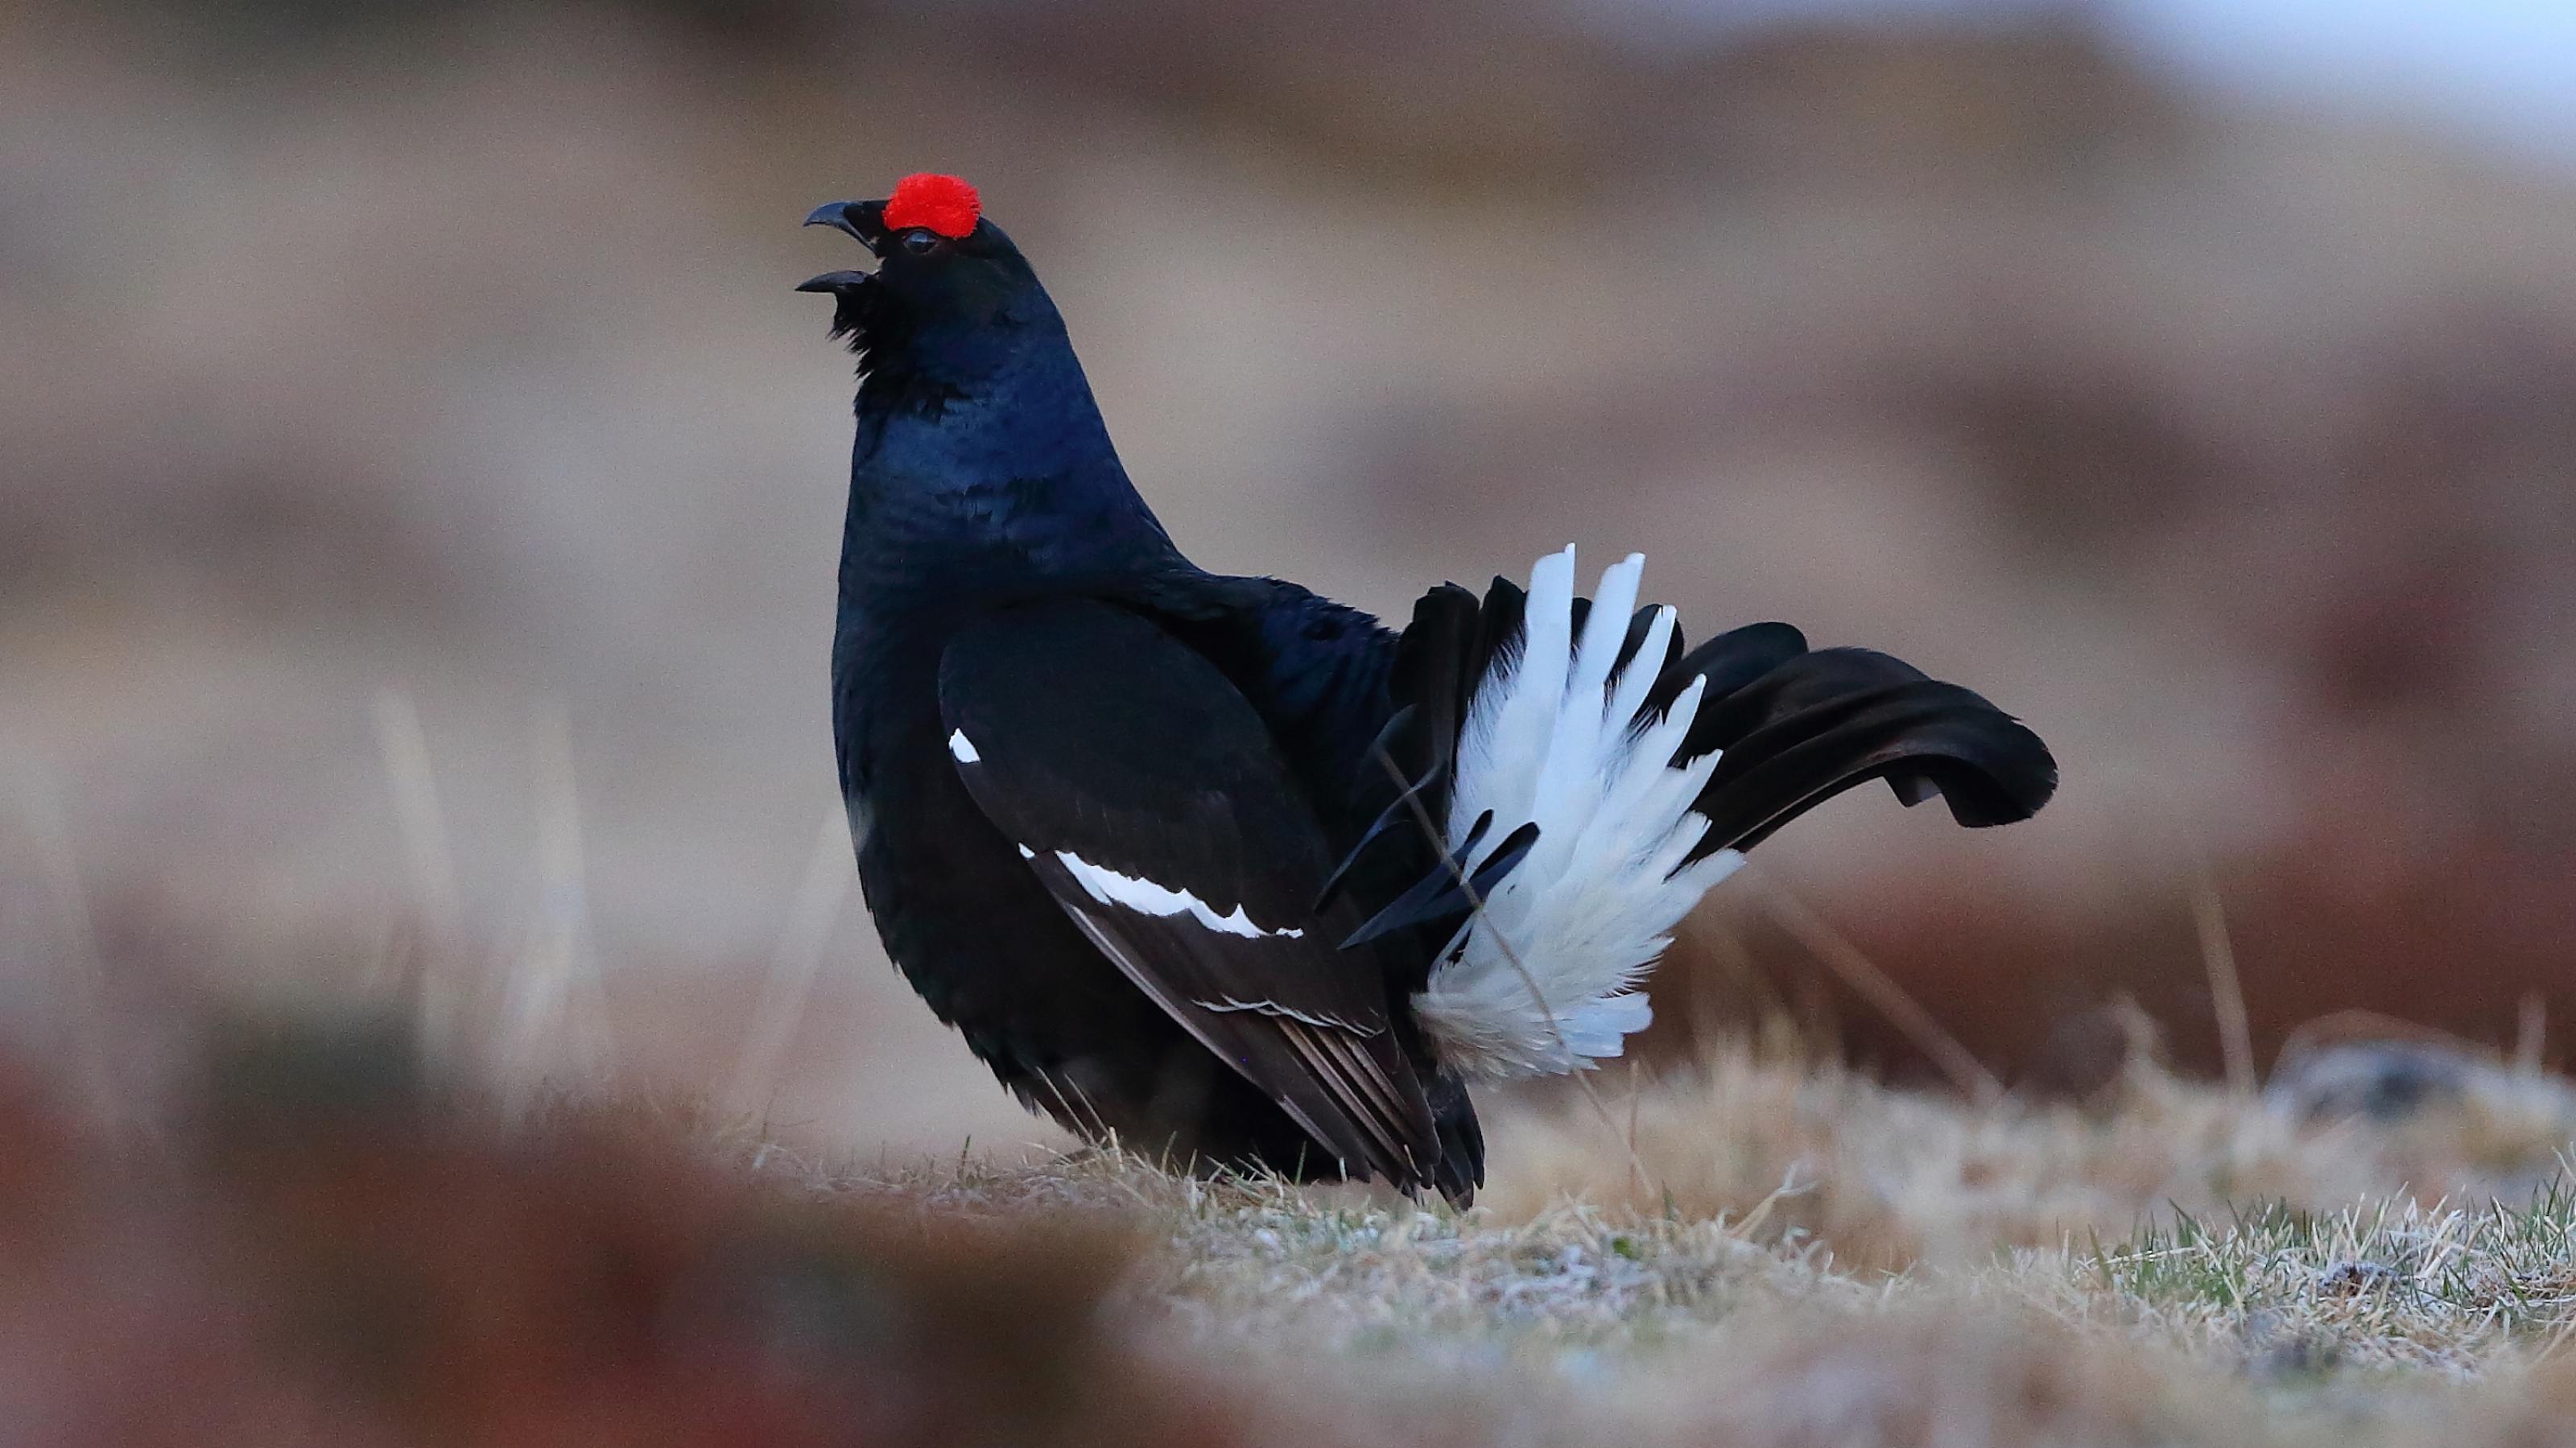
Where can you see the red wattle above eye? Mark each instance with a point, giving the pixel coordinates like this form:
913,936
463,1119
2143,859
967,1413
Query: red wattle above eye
942,204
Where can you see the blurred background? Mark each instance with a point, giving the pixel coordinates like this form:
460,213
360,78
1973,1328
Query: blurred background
419,487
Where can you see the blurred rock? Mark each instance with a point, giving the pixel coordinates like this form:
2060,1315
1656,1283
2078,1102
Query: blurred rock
2381,1081
2388,1071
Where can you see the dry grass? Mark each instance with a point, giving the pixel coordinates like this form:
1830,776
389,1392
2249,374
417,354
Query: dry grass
1822,1260
1889,1179
322,1251
1776,1184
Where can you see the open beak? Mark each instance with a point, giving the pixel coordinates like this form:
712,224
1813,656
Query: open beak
864,222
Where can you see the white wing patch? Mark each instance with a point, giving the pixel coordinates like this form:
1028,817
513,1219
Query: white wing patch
1112,888
962,749
1551,738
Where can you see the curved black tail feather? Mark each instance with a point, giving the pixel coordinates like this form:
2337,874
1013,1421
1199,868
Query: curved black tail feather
1792,726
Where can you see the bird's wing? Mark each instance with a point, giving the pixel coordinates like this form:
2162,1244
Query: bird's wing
1152,801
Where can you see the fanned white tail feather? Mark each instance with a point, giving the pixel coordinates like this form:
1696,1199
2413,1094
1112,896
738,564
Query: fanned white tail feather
1544,980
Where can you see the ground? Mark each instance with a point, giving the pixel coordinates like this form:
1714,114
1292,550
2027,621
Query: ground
324,1246
1776,1252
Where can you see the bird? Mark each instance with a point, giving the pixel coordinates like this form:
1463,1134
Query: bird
1234,876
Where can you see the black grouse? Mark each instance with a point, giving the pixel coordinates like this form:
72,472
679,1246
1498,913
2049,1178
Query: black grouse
1228,871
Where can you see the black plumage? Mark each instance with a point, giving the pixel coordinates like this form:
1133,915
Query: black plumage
1153,839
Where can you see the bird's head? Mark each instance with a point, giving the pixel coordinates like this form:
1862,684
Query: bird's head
946,278
968,383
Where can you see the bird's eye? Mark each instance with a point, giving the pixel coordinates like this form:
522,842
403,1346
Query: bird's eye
921,241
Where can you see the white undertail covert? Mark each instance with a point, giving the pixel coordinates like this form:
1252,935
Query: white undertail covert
1544,980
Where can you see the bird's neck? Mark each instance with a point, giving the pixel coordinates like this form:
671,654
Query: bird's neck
982,463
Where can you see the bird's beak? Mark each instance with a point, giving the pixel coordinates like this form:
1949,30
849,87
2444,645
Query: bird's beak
836,282
863,220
